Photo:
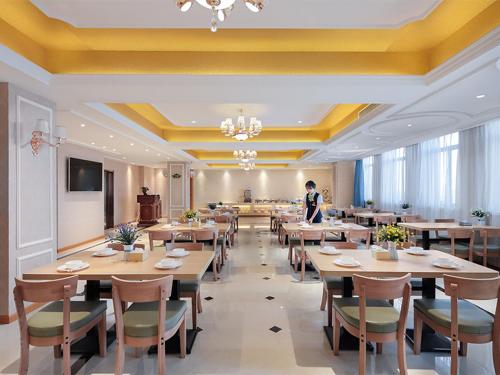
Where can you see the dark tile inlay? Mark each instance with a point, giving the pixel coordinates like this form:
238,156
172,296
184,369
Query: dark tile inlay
264,264
270,298
208,298
266,278
316,277
275,329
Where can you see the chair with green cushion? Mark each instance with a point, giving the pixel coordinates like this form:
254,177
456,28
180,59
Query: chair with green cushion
150,320
209,238
488,249
371,317
461,245
333,285
190,288
58,323
305,235
459,319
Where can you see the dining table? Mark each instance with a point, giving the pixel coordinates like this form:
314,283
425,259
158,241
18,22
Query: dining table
370,216
419,266
103,268
426,228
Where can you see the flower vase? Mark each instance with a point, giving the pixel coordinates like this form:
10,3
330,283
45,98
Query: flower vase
128,248
481,221
393,251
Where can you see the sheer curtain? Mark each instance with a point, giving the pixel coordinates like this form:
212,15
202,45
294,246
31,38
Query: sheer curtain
368,178
392,183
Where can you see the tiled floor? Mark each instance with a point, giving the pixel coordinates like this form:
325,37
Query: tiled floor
245,331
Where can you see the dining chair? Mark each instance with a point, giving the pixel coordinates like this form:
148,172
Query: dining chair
226,240
371,317
160,235
150,320
361,235
460,319
441,235
461,245
298,248
209,238
281,232
488,249
58,323
333,285
190,288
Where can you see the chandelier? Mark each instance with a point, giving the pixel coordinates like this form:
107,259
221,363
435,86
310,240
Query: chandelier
240,131
245,156
220,8
247,166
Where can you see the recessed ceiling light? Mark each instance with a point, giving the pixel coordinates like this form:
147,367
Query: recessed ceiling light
114,150
92,143
82,125
158,154
111,136
300,121
124,158
193,122
147,150
103,146
410,125
131,144
481,96
378,138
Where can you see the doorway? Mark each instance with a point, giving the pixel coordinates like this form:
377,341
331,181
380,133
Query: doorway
109,199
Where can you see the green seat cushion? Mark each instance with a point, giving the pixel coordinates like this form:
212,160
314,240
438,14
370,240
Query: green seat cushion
489,247
446,248
471,319
381,316
141,318
48,322
333,282
296,242
189,286
105,286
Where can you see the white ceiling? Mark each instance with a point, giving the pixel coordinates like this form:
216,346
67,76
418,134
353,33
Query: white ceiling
273,113
276,14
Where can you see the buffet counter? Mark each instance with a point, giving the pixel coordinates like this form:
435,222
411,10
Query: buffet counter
264,209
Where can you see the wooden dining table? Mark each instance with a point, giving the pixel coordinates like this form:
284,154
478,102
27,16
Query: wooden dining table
370,216
103,268
294,228
426,228
419,266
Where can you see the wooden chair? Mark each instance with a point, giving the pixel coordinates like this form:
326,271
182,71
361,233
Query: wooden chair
281,232
150,319
190,288
300,252
160,235
457,247
372,318
459,319
487,249
333,285
229,240
209,238
59,322
360,234
436,233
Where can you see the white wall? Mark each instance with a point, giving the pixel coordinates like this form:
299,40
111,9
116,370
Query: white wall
228,185
343,183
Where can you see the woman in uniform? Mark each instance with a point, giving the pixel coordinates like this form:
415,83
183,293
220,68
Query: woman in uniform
312,202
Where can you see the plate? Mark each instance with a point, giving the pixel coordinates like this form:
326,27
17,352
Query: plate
104,253
343,262
172,264
166,226
329,250
173,254
445,264
416,251
65,268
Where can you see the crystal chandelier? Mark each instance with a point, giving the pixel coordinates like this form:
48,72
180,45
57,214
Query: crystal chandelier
245,156
220,8
240,131
247,166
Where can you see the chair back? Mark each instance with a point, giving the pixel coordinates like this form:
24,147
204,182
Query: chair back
160,235
412,219
141,291
290,218
360,234
486,233
46,291
190,246
371,288
205,234
444,220
306,234
222,219
341,245
384,219
467,288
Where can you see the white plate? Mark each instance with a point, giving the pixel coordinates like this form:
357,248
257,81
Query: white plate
447,265
329,250
65,268
174,254
346,262
417,251
105,253
172,264
166,226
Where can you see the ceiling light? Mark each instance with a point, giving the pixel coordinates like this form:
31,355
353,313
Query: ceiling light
184,5
245,156
92,143
82,125
114,150
300,121
131,144
240,131
410,125
481,96
158,154
221,15
147,150
103,146
111,136
378,138
254,5
124,158
193,122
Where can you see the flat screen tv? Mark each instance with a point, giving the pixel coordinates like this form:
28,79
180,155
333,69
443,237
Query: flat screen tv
84,175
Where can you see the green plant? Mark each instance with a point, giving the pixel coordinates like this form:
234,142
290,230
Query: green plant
391,233
191,214
126,234
405,206
479,213
369,202
220,203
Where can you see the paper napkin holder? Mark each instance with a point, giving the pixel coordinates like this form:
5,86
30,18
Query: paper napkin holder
137,255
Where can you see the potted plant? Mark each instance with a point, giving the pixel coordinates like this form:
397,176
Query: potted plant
191,215
127,235
405,207
221,204
145,190
480,215
369,204
392,236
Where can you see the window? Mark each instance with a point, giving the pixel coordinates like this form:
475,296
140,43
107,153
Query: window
392,189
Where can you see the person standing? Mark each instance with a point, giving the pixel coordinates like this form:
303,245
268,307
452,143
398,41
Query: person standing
312,203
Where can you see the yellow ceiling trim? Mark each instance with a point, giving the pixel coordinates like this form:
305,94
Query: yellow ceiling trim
151,114
339,114
204,155
128,112
257,166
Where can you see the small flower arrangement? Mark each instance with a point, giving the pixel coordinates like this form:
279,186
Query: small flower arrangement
369,202
405,205
126,234
391,233
479,213
191,214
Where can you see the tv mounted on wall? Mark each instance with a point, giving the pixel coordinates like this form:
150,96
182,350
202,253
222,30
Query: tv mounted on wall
84,175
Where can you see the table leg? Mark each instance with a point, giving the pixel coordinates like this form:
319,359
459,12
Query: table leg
370,221
426,242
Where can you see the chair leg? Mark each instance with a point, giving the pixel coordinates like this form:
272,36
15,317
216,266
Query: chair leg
119,357
198,304
462,351
454,356
57,351
161,358
194,310
495,348
302,266
295,262
336,336
67,357
214,268
182,337
401,354
417,333
323,300
25,354
329,306
290,250
101,331
379,347
362,356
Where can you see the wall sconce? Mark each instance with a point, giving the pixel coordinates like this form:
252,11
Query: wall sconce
41,130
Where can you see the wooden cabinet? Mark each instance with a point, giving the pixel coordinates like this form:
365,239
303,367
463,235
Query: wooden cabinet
150,209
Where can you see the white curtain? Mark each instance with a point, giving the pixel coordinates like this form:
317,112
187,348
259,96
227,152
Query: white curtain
368,178
392,183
